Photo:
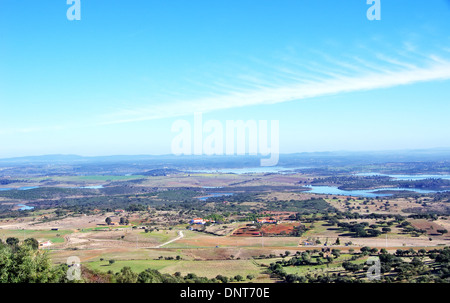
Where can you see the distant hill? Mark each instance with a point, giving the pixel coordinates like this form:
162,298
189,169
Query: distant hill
153,163
161,172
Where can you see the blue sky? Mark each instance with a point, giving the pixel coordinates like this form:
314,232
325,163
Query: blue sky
115,81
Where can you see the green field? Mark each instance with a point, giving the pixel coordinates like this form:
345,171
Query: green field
161,236
40,235
108,178
335,266
136,265
209,269
103,178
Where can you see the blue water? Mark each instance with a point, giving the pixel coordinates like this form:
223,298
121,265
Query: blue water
90,187
248,170
33,187
211,195
369,193
25,207
20,188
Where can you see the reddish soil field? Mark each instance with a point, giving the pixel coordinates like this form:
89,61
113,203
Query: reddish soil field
246,232
430,227
267,229
277,229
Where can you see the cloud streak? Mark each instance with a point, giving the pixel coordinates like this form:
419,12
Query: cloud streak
360,75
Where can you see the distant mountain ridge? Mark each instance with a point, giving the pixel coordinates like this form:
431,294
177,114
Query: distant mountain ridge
435,154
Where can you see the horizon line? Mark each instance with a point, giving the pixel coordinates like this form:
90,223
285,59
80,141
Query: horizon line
234,155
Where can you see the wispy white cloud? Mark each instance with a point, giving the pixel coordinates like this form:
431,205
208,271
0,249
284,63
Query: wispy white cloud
342,77
289,80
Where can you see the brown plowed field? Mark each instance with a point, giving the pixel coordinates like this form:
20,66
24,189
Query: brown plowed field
277,229
266,229
430,227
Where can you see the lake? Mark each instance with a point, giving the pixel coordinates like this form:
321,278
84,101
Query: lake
33,187
20,188
248,170
90,187
368,193
213,195
24,207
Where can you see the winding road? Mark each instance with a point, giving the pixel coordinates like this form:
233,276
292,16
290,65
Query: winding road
180,235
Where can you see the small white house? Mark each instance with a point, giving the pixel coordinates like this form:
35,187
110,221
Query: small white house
45,244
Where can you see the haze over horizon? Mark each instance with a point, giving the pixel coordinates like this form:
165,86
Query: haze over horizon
114,82
430,151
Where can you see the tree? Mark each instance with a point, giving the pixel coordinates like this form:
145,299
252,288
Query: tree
221,278
338,242
111,262
126,275
23,264
12,241
250,277
373,232
108,220
32,242
150,276
238,278
416,262
336,253
306,258
365,249
442,231
351,266
385,229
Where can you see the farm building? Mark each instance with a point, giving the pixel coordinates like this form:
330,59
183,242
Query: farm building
200,221
45,244
265,220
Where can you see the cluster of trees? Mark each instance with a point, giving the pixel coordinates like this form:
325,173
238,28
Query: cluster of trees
306,207
305,258
25,263
9,181
127,275
353,182
136,207
218,218
368,182
299,230
405,265
359,229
